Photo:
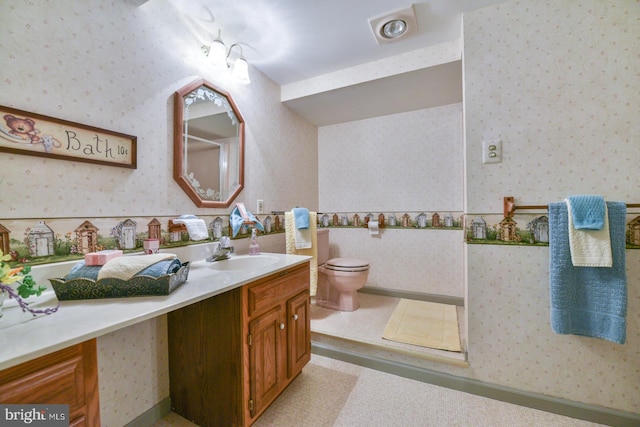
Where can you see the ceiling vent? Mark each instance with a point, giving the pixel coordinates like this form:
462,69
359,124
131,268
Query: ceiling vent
393,26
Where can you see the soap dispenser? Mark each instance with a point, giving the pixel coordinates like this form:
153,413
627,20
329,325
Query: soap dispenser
254,248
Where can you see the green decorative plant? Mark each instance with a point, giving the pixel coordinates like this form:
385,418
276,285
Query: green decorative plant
27,286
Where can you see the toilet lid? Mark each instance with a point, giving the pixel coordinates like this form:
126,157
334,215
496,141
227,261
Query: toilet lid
347,264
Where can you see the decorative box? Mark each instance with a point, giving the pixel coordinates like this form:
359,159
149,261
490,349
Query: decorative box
137,286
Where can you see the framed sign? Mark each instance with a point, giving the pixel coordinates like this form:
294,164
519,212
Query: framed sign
22,132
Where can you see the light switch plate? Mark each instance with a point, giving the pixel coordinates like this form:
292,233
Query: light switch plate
492,151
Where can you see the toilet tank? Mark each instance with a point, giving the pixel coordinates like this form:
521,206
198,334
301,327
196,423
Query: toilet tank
323,245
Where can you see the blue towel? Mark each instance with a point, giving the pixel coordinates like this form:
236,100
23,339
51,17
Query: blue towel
588,301
587,212
161,268
82,271
236,221
301,217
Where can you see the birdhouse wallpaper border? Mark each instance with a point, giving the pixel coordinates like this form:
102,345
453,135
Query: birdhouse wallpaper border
528,229
42,241
23,132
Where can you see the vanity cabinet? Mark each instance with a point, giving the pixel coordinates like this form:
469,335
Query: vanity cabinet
231,355
68,376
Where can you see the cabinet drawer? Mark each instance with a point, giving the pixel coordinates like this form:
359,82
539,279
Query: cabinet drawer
273,289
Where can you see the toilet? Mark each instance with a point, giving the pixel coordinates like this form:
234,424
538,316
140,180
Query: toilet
339,278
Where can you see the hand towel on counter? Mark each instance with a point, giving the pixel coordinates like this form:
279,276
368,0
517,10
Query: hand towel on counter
128,266
589,248
290,232
236,220
588,301
301,216
196,227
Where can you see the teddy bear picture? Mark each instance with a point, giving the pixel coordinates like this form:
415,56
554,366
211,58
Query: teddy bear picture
24,132
22,128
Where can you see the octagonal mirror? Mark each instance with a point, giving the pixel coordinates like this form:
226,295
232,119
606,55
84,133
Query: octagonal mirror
208,152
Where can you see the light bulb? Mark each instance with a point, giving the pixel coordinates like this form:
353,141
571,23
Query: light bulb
241,71
394,29
218,52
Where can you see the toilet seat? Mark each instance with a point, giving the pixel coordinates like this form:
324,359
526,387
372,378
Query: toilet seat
349,265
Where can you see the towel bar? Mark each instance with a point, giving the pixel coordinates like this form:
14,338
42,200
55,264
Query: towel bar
510,207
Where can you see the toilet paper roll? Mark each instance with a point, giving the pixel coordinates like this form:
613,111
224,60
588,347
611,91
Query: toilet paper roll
374,228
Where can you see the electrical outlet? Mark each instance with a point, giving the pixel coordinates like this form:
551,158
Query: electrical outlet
492,151
260,206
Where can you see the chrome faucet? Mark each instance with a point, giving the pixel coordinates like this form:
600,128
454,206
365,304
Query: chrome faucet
223,250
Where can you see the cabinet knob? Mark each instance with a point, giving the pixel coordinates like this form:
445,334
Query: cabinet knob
281,325
295,317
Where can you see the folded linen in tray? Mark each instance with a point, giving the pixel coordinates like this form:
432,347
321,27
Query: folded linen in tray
83,271
161,268
153,268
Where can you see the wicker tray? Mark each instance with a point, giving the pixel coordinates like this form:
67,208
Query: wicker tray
137,286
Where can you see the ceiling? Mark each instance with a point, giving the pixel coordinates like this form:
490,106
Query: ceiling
291,41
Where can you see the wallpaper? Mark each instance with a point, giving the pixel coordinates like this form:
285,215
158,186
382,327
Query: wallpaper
404,163
557,82
116,66
407,161
137,362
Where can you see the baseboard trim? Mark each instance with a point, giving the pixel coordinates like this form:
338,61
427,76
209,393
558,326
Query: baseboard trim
441,299
545,403
153,414
318,336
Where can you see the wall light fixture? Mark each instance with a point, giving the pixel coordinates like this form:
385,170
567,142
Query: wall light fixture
219,55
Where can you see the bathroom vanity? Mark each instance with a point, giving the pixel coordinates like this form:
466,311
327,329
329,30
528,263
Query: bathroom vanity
239,333
250,344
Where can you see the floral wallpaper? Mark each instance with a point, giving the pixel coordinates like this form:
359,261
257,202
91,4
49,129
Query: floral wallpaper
554,80
407,167
116,66
557,82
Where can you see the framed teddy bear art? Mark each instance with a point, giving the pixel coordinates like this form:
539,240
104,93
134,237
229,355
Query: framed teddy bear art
22,132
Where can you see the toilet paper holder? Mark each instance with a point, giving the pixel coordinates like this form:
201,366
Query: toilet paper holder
368,219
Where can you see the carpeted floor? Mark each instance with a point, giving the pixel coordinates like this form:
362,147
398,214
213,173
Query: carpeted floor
331,393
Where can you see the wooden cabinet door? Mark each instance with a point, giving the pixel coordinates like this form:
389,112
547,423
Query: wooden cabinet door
68,376
205,360
298,333
267,358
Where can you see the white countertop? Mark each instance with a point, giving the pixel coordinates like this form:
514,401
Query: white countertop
25,338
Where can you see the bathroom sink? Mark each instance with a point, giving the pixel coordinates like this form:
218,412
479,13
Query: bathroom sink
244,262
